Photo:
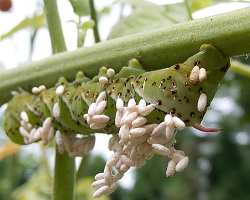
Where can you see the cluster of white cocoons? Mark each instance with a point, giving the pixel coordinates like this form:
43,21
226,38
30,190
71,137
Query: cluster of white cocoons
95,117
75,145
197,74
72,143
201,75
137,142
37,90
31,134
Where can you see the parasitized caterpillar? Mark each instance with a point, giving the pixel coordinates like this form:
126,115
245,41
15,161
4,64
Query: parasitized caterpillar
183,90
144,108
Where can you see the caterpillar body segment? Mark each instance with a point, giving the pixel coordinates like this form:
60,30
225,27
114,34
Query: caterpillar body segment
172,91
175,91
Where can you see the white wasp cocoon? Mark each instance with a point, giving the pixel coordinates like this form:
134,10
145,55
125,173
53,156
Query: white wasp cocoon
107,172
59,142
150,127
25,125
85,116
128,161
194,75
159,129
99,183
124,167
35,90
31,136
50,134
101,191
202,102
161,149
113,187
119,104
99,176
97,125
37,134
142,103
124,133
202,74
171,168
131,105
100,118
23,132
137,132
110,72
100,107
91,110
168,120
182,164
88,118
169,132
56,110
47,124
139,121
129,118
179,124
157,140
148,109
24,116
41,88
113,159
101,97
103,80
59,90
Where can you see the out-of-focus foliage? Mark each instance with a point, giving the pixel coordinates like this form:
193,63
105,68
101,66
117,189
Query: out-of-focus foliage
37,187
84,189
35,22
140,20
80,7
219,166
199,4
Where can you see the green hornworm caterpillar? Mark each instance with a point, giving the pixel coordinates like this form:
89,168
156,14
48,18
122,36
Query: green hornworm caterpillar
184,90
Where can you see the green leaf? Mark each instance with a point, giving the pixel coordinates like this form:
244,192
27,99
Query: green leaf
35,22
80,7
199,4
87,25
82,31
142,20
104,11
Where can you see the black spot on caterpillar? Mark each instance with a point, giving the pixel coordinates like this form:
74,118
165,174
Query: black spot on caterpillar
175,90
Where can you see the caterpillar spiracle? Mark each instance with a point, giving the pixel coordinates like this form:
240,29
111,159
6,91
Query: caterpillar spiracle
141,109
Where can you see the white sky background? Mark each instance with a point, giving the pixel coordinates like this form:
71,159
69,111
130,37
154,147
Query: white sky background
15,51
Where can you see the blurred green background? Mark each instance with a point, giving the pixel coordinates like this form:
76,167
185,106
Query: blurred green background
219,166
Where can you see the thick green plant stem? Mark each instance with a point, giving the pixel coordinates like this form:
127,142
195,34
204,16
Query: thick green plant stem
229,32
64,170
64,180
54,26
94,18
